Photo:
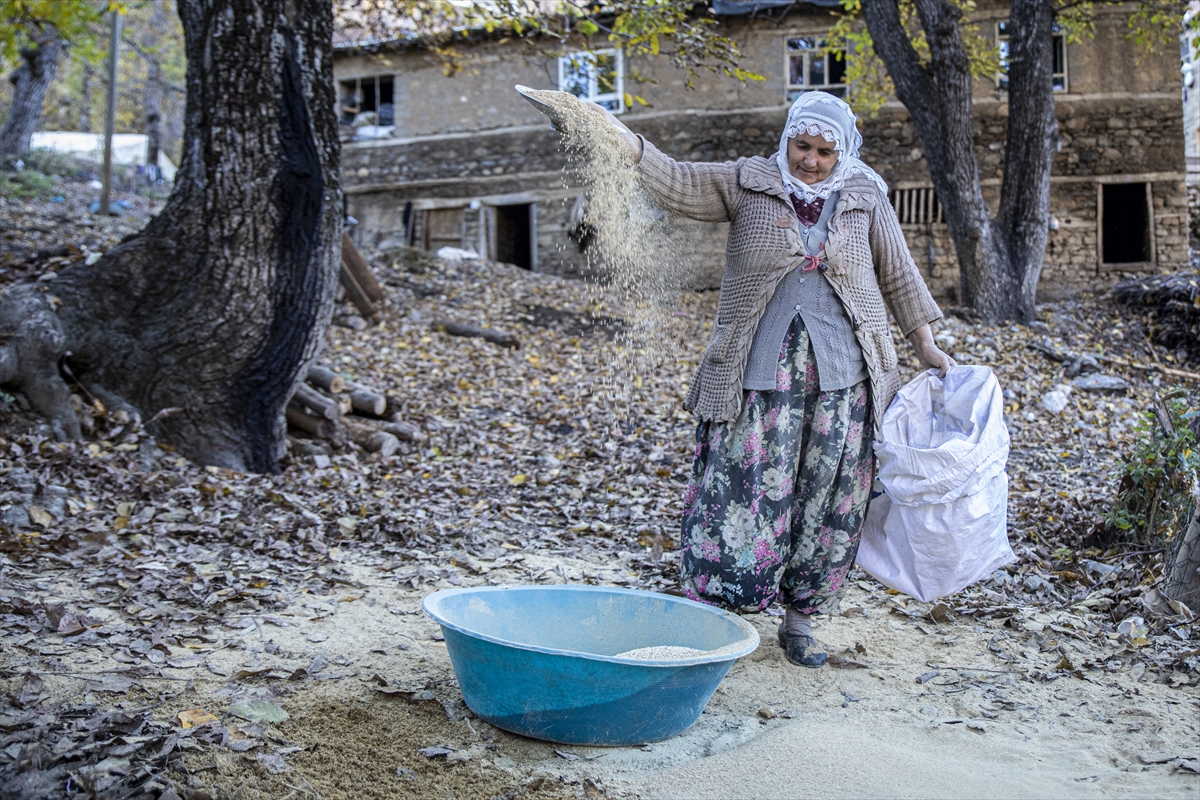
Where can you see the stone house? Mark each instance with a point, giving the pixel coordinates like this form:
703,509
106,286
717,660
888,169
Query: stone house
465,161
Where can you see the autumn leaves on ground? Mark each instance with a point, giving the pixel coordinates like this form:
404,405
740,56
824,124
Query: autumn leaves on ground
168,630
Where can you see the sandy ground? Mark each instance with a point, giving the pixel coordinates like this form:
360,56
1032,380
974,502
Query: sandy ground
981,727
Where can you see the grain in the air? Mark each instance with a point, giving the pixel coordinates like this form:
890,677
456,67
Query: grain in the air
641,258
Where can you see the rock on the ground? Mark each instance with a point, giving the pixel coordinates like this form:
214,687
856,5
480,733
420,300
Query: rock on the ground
1054,401
1101,383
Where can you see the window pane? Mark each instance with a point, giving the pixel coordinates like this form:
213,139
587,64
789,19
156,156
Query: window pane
575,73
796,70
816,71
1060,83
1060,56
606,73
837,69
611,105
1002,27
837,91
803,43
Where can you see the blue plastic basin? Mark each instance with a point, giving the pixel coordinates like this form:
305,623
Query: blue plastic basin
539,660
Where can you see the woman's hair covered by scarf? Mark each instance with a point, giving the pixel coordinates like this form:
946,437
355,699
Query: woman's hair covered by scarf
822,114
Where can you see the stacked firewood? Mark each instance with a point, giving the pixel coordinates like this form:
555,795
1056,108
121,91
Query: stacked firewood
332,409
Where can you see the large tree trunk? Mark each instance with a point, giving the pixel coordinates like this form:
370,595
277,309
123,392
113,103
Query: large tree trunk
30,82
999,260
207,320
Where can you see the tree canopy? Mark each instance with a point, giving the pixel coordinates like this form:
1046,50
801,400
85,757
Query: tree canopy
24,21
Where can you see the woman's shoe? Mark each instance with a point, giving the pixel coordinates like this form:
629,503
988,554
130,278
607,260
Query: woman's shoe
803,651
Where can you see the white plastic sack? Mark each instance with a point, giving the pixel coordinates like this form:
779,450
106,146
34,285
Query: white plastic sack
940,519
456,254
128,148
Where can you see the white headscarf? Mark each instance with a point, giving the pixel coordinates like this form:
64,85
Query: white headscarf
822,114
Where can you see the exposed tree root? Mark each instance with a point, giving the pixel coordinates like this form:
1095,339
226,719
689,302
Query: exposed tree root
32,343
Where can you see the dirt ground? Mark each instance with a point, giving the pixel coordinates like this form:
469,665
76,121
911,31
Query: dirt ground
883,723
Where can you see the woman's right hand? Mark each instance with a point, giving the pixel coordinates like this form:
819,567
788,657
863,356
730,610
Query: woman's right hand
631,139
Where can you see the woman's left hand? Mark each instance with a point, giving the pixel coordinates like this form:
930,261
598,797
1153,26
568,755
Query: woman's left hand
928,353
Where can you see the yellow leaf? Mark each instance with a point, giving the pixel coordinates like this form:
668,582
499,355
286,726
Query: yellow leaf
516,480
121,522
654,43
508,546
40,516
124,510
195,716
350,598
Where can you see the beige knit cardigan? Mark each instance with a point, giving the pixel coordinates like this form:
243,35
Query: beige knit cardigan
867,262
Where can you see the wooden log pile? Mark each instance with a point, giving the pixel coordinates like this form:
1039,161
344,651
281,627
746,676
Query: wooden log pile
1169,305
328,408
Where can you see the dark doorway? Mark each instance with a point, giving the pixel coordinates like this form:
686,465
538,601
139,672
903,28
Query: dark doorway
1126,223
514,235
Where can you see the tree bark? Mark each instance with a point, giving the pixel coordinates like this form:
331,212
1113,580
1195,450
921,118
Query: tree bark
1031,141
85,101
219,306
1181,579
999,260
30,82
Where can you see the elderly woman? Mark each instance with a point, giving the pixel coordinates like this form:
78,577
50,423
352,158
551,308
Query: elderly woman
800,365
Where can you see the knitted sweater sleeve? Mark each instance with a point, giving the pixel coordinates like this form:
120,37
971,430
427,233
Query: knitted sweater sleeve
902,286
699,190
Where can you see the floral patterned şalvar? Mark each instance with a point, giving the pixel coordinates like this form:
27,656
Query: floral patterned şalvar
777,497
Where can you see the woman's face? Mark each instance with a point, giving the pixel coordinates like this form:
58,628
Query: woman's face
811,158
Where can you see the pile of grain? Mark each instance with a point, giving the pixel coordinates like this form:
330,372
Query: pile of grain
661,653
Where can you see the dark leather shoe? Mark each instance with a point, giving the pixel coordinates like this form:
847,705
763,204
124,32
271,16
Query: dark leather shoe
803,651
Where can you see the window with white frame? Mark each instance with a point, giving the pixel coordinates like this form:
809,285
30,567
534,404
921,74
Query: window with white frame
810,67
1059,68
595,75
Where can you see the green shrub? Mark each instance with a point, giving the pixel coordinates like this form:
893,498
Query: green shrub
25,185
55,162
1155,489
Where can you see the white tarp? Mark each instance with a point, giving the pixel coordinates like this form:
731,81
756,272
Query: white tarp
128,148
940,522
